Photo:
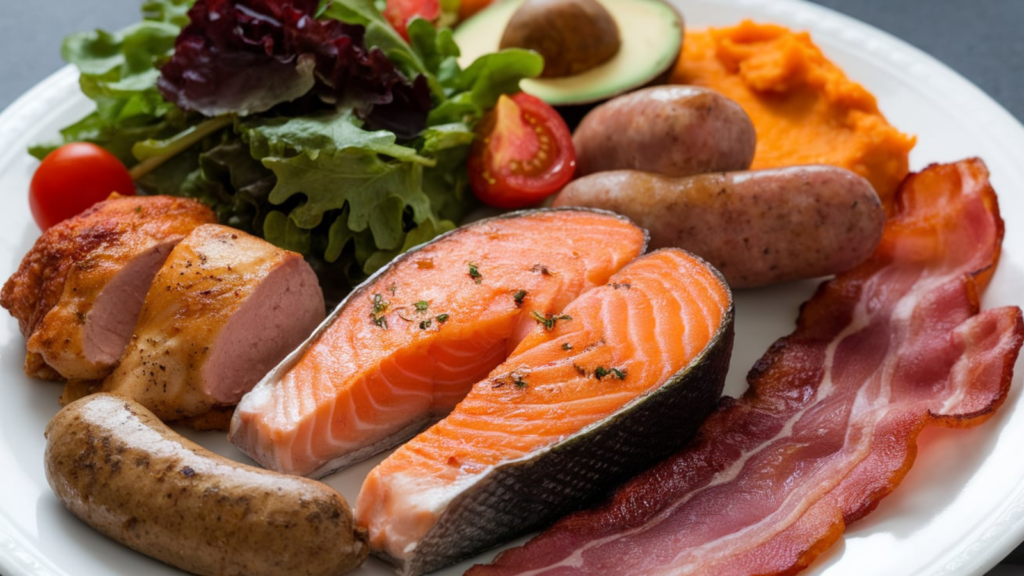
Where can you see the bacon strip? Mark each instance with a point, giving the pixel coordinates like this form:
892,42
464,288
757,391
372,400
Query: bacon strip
829,425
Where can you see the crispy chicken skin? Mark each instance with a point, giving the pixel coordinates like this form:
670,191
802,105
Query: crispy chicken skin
224,309
78,292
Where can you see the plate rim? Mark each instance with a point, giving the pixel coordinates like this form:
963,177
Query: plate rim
999,534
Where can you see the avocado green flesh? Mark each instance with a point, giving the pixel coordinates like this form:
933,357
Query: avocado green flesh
651,32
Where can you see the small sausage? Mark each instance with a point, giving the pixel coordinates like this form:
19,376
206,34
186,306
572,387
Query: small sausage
668,130
129,476
757,227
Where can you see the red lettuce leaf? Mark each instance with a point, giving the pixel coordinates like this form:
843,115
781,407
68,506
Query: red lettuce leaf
247,56
405,113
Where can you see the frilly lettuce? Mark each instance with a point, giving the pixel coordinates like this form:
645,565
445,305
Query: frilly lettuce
306,176
119,73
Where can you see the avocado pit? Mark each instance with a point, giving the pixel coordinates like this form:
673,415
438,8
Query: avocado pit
573,36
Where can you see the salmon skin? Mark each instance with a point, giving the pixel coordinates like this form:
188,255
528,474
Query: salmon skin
619,380
408,344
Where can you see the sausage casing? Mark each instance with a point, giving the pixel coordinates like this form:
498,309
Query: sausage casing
757,227
129,476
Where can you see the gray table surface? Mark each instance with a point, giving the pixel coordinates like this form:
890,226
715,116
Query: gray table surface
983,40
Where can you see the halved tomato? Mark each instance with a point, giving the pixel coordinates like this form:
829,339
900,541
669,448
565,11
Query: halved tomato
522,153
399,12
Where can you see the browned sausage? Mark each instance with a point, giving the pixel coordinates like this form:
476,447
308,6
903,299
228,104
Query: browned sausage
126,474
668,130
757,227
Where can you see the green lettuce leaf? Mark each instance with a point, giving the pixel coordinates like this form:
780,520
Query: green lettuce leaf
338,236
235,184
169,11
364,184
476,89
119,72
282,231
423,233
436,47
320,134
362,181
444,136
447,185
117,140
220,173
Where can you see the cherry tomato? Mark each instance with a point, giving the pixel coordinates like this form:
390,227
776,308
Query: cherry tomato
522,153
399,12
73,178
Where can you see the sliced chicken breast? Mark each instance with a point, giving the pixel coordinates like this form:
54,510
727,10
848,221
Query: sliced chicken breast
78,292
224,309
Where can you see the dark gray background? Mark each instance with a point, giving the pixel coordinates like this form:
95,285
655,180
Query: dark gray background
982,40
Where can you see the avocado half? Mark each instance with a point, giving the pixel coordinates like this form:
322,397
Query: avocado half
651,33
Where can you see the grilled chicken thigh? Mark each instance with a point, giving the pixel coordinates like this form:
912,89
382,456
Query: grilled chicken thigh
225,308
78,292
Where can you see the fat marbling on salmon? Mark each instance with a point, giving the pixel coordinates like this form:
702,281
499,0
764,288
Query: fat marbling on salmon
407,345
616,382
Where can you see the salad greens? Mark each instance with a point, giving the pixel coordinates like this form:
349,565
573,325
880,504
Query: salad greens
349,174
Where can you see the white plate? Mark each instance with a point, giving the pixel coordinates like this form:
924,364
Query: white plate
959,511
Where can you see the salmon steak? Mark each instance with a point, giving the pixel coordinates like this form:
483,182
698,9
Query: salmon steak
617,381
406,346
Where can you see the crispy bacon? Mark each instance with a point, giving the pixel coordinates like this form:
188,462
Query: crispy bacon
829,425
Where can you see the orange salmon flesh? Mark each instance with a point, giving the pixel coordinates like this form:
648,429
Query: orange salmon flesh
407,346
610,348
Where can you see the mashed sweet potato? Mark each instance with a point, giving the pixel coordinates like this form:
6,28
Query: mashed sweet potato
804,108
